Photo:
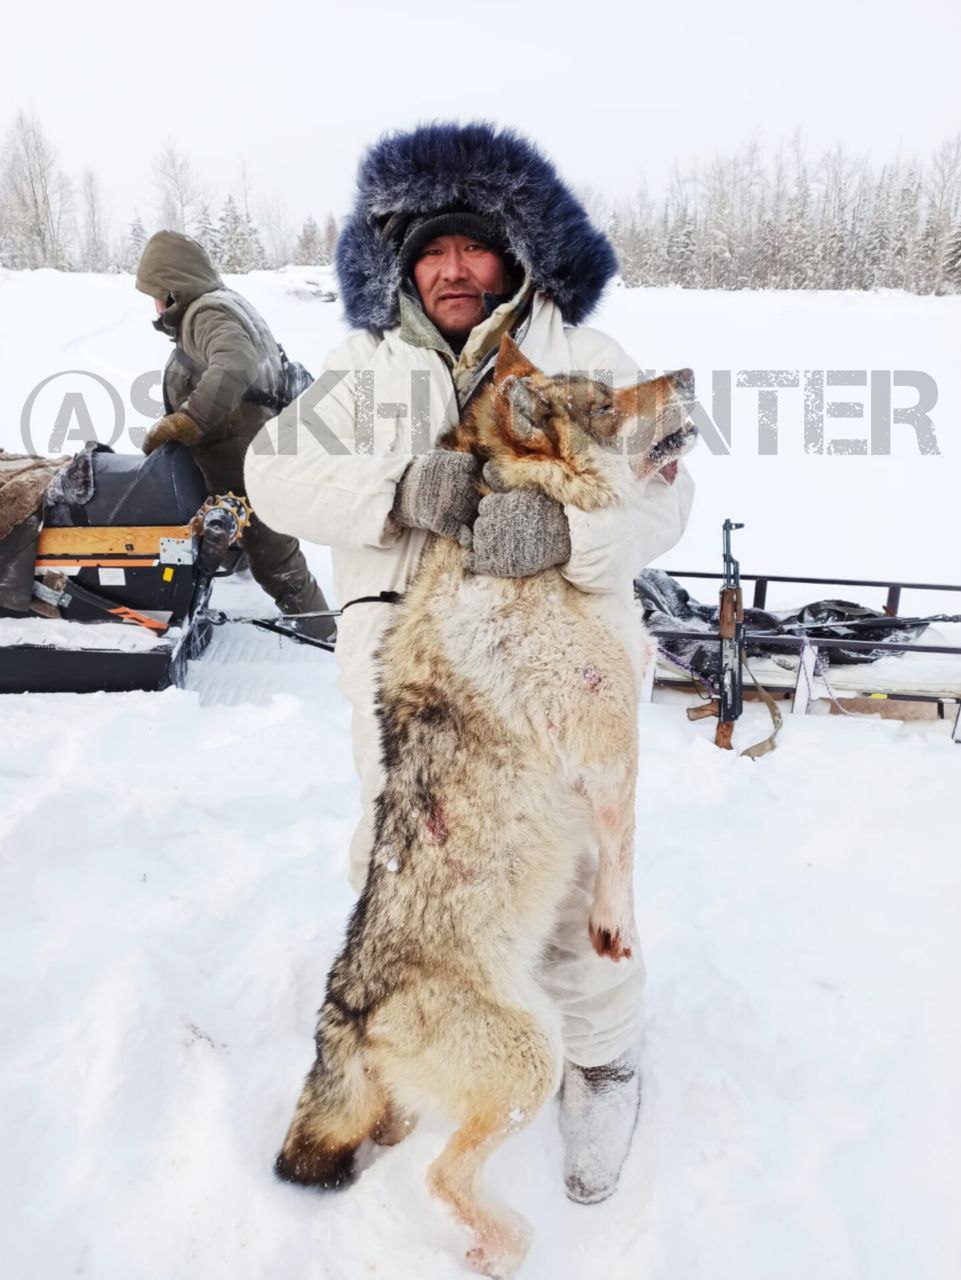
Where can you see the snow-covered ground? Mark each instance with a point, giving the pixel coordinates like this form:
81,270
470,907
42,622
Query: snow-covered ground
172,873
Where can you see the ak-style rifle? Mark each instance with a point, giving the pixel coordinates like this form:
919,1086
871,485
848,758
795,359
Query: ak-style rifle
729,703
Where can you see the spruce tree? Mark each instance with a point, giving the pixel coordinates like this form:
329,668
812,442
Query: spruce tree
308,252
132,245
330,238
256,255
205,233
232,239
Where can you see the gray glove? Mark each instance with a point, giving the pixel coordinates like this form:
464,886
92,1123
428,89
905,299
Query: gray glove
438,491
517,533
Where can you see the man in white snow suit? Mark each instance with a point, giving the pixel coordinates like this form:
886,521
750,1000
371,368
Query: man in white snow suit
461,234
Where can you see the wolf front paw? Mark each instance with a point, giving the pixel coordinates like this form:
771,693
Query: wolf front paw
614,939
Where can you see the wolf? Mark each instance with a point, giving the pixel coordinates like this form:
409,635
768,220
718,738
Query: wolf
508,714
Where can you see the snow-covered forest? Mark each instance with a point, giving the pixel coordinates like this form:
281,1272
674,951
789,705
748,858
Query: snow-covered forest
759,217
783,219
50,219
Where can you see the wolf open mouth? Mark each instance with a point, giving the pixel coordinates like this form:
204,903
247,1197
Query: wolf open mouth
669,450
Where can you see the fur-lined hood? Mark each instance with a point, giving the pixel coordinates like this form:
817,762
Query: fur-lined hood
498,173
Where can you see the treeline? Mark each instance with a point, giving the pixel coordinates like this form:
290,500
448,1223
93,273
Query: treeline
47,219
753,219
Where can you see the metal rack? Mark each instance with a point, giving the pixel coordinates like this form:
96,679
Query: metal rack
808,649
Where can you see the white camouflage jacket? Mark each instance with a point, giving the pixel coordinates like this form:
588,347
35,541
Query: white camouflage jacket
327,468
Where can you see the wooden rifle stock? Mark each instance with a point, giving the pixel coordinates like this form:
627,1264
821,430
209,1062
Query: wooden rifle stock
731,629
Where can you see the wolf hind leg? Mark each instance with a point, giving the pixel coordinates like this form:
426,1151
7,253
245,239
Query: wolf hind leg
514,1070
341,1104
501,1237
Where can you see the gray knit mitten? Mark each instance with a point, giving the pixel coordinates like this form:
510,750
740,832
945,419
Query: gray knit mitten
438,491
517,533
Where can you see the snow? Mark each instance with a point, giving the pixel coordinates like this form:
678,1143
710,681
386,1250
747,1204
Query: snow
173,873
63,634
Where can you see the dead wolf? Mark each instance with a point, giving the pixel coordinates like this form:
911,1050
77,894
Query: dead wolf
508,712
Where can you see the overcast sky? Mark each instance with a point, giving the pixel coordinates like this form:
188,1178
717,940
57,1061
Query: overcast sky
614,92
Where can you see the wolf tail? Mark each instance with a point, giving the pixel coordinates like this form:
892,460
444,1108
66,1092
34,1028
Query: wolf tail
340,1105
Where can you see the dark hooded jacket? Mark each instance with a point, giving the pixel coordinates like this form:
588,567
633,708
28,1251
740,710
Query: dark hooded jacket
223,351
497,173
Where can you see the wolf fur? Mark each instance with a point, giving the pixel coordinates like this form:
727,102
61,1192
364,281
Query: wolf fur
508,713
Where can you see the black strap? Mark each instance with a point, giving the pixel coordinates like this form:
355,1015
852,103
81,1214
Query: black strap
384,597
266,624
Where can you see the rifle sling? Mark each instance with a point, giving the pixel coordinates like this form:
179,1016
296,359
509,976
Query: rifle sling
766,744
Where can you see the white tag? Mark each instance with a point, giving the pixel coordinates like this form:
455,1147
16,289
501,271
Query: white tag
112,578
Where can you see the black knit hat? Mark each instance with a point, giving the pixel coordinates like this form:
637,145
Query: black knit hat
415,232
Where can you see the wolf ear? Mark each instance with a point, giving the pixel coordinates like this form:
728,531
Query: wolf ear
511,362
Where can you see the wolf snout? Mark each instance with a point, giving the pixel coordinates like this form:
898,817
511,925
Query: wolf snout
678,436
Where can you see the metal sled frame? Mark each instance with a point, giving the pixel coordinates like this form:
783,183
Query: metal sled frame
800,692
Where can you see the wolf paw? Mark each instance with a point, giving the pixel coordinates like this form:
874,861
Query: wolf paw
500,1249
487,1263
502,1257
611,938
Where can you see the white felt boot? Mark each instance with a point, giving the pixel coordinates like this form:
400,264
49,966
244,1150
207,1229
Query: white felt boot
599,1107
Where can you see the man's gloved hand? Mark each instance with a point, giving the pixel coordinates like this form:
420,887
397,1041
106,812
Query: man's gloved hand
438,491
175,426
517,533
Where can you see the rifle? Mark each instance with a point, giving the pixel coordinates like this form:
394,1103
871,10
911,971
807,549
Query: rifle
729,704
731,629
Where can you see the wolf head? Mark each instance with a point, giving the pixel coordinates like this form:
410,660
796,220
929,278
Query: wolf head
574,438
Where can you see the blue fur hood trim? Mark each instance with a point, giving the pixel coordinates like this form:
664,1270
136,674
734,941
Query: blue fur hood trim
498,173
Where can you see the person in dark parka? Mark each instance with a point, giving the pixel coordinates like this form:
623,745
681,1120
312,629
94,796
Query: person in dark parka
225,363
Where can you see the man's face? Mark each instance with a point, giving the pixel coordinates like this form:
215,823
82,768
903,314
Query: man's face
161,305
452,275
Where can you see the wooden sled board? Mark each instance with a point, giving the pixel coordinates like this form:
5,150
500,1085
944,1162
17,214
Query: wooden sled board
130,546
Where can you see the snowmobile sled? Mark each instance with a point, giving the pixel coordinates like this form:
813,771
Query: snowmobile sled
105,587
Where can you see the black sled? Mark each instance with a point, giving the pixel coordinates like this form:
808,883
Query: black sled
129,546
